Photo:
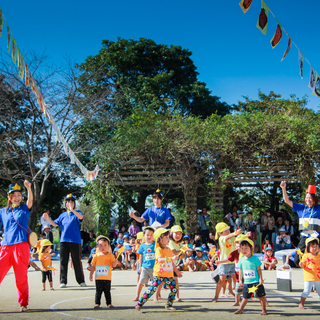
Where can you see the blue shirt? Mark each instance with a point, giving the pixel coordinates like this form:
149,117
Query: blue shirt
156,214
70,227
13,233
309,217
249,269
148,255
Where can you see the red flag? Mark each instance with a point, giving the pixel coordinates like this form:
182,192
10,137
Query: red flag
27,76
1,22
276,37
8,38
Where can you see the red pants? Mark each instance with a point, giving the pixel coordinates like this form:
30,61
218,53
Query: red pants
17,256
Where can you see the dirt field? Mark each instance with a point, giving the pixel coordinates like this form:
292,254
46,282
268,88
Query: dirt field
197,291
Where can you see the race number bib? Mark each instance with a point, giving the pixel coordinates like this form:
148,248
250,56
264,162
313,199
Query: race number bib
249,274
150,256
102,271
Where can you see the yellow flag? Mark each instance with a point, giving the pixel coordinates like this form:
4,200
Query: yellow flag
245,5
14,51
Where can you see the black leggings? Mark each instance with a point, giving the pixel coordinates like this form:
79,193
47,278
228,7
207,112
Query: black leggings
103,286
45,275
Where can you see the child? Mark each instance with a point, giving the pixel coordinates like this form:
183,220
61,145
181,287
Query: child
46,264
197,240
226,246
310,263
269,260
175,240
147,259
283,240
103,261
188,261
200,260
163,270
138,244
250,270
266,243
186,241
37,248
234,256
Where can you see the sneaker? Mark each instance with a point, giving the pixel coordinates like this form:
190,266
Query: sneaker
63,285
83,284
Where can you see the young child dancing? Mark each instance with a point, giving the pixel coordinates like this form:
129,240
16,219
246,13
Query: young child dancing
102,262
147,259
310,263
163,270
226,244
250,271
46,264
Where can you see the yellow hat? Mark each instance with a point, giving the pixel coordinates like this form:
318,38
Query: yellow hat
159,232
220,227
101,237
241,237
45,242
176,229
311,239
139,235
248,240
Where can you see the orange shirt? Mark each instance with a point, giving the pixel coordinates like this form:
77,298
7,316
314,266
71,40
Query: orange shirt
46,260
311,270
164,270
103,264
136,250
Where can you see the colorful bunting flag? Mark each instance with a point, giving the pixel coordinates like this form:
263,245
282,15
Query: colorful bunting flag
262,23
245,5
14,51
288,48
312,81
316,91
20,64
1,23
27,75
8,38
276,37
301,57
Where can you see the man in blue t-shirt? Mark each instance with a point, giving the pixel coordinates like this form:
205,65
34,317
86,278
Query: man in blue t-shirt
158,216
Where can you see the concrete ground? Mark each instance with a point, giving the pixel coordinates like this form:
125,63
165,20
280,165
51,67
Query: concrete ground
197,291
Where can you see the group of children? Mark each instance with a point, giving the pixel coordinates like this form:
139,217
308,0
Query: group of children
162,254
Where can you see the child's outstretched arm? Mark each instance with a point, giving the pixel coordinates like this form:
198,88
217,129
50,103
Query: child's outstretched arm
234,234
223,261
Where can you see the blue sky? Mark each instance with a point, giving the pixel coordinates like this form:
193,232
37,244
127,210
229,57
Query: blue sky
233,57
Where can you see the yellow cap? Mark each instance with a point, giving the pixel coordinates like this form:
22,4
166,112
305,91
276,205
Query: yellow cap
159,232
311,239
220,227
248,240
241,237
176,229
139,235
101,237
45,242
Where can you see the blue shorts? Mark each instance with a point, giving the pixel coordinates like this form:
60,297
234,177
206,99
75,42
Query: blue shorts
227,269
260,292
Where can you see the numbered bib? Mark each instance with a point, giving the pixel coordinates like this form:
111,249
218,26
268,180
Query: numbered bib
249,274
149,256
102,271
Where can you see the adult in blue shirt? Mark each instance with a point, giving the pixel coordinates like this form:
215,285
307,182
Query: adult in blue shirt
158,216
309,215
15,249
70,240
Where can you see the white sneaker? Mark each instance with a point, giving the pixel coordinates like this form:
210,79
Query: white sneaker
83,284
63,285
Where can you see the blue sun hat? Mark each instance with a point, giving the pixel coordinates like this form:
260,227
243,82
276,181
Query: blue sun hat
13,188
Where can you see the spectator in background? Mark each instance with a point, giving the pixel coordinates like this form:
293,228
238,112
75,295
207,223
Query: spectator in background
172,220
48,232
232,221
182,225
267,224
133,229
283,241
240,222
203,218
250,225
43,220
279,224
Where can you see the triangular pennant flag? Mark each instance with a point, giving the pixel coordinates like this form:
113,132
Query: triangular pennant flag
27,76
312,81
316,91
1,23
8,38
245,5
288,48
276,37
262,23
20,64
301,57
14,51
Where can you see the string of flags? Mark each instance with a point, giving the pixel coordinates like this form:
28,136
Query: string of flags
25,75
262,24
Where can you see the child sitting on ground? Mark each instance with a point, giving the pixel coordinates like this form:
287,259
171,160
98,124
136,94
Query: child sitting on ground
250,271
201,259
188,261
269,260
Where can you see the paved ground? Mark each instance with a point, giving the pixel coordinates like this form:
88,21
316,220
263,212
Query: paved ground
197,291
